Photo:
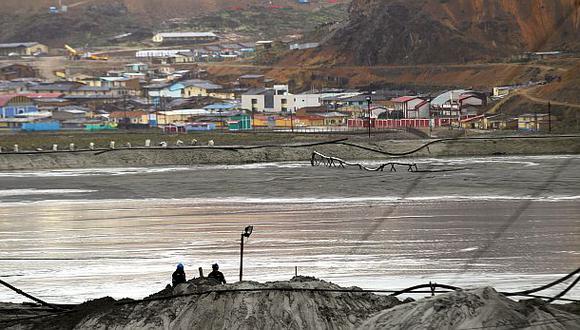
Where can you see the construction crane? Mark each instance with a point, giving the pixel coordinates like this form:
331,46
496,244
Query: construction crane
78,55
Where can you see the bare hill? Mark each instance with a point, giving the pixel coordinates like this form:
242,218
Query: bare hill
153,8
452,31
93,21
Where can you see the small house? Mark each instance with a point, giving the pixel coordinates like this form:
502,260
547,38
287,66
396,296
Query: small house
16,71
136,67
535,122
14,105
131,118
239,122
23,49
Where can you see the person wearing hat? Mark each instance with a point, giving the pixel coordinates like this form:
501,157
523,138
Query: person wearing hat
178,275
216,274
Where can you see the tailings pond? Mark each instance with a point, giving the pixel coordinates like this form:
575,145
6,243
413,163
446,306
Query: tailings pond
510,222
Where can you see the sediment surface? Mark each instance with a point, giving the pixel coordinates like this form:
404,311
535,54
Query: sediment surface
205,155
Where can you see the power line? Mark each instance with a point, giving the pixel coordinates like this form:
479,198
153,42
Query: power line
522,324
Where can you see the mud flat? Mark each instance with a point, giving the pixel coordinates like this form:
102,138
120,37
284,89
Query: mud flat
301,303
227,155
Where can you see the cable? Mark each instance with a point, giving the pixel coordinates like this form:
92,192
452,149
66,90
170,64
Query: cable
561,294
36,317
42,302
521,325
544,287
546,297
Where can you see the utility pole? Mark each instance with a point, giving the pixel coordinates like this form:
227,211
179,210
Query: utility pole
549,117
369,101
430,123
125,110
292,120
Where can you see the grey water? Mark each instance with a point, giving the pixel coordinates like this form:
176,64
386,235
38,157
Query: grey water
509,222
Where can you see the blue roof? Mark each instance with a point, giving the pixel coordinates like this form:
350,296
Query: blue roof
219,106
176,86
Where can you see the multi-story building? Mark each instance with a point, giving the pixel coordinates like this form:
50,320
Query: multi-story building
276,99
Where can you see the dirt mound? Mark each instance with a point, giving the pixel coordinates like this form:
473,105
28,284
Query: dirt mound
453,31
248,310
476,309
308,303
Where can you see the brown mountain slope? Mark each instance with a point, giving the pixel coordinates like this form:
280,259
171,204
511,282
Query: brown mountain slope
156,9
439,31
93,21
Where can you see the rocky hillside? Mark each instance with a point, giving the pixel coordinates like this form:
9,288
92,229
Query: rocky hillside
452,31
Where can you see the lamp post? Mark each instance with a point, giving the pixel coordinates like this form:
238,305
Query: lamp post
247,232
369,101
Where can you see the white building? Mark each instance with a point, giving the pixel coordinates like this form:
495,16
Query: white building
411,107
276,99
159,53
307,100
184,37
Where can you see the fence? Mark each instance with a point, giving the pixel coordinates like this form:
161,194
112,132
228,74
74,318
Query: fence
395,123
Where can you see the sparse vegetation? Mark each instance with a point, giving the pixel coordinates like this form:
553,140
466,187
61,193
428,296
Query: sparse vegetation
267,22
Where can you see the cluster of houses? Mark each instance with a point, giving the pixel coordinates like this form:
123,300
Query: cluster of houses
206,53
145,95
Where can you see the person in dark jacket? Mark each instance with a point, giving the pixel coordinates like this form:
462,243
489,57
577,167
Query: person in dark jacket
216,274
178,275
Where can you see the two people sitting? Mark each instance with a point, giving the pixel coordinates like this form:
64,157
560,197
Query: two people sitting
178,275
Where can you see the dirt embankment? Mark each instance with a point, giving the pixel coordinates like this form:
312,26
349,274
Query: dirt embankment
305,303
217,155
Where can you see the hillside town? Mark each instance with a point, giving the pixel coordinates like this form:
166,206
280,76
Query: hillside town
157,91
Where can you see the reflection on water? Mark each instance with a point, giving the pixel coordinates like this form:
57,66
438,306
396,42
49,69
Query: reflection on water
77,251
121,235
